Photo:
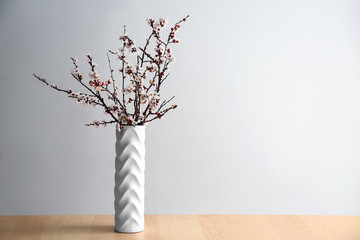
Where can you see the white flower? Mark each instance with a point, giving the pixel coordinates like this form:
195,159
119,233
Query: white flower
138,78
169,54
85,100
144,97
129,89
75,71
129,70
149,21
75,94
154,101
159,50
156,26
127,120
162,22
94,75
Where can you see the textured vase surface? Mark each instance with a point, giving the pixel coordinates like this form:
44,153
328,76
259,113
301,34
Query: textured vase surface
129,179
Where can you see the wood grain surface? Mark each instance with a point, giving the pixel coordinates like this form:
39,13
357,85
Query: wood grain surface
184,227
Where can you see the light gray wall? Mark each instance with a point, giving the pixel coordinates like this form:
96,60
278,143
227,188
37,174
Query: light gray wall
269,108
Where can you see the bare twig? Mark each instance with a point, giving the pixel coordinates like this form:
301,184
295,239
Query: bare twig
100,123
156,71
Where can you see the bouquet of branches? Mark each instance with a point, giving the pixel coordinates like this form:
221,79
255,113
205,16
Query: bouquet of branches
134,97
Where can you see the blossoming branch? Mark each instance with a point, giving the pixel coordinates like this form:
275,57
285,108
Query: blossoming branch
133,98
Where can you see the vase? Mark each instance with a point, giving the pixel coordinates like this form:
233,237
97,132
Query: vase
129,179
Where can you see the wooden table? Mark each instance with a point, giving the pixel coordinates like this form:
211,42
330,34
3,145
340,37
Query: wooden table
184,227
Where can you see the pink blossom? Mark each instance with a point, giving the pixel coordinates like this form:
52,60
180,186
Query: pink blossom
143,78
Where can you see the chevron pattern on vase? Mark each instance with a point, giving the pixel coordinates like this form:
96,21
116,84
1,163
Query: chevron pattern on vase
129,179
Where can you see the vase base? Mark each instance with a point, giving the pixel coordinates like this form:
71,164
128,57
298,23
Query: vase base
128,231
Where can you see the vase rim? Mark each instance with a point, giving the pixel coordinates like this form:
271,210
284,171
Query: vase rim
134,126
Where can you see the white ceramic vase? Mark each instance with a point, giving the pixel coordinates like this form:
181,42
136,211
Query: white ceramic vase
129,179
